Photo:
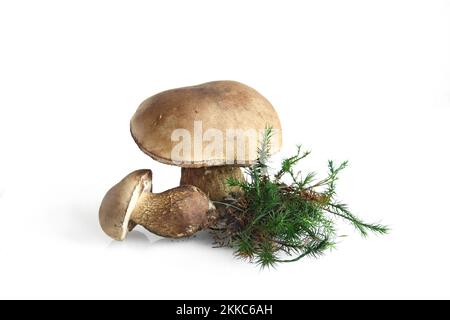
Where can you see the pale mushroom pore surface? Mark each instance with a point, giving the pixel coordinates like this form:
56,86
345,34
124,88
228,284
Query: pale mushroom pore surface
131,206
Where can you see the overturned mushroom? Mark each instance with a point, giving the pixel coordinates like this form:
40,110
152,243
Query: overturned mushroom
209,130
175,213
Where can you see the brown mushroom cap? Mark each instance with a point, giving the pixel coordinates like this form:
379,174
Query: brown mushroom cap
221,105
119,202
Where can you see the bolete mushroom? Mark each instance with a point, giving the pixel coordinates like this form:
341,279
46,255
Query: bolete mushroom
175,213
209,130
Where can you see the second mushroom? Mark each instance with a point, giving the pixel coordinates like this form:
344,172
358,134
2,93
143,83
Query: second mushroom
175,213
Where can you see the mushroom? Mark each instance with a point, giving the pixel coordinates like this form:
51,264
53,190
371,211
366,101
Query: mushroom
175,213
209,130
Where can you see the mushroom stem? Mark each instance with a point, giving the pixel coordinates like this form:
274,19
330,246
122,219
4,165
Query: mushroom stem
212,180
178,212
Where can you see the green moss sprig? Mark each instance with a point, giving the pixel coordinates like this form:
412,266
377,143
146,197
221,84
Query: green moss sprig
270,221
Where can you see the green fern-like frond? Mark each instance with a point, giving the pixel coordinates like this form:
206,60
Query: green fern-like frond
288,216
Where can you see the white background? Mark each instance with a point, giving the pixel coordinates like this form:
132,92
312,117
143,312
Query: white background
367,81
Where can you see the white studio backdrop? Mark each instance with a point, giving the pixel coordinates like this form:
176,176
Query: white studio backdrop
367,81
